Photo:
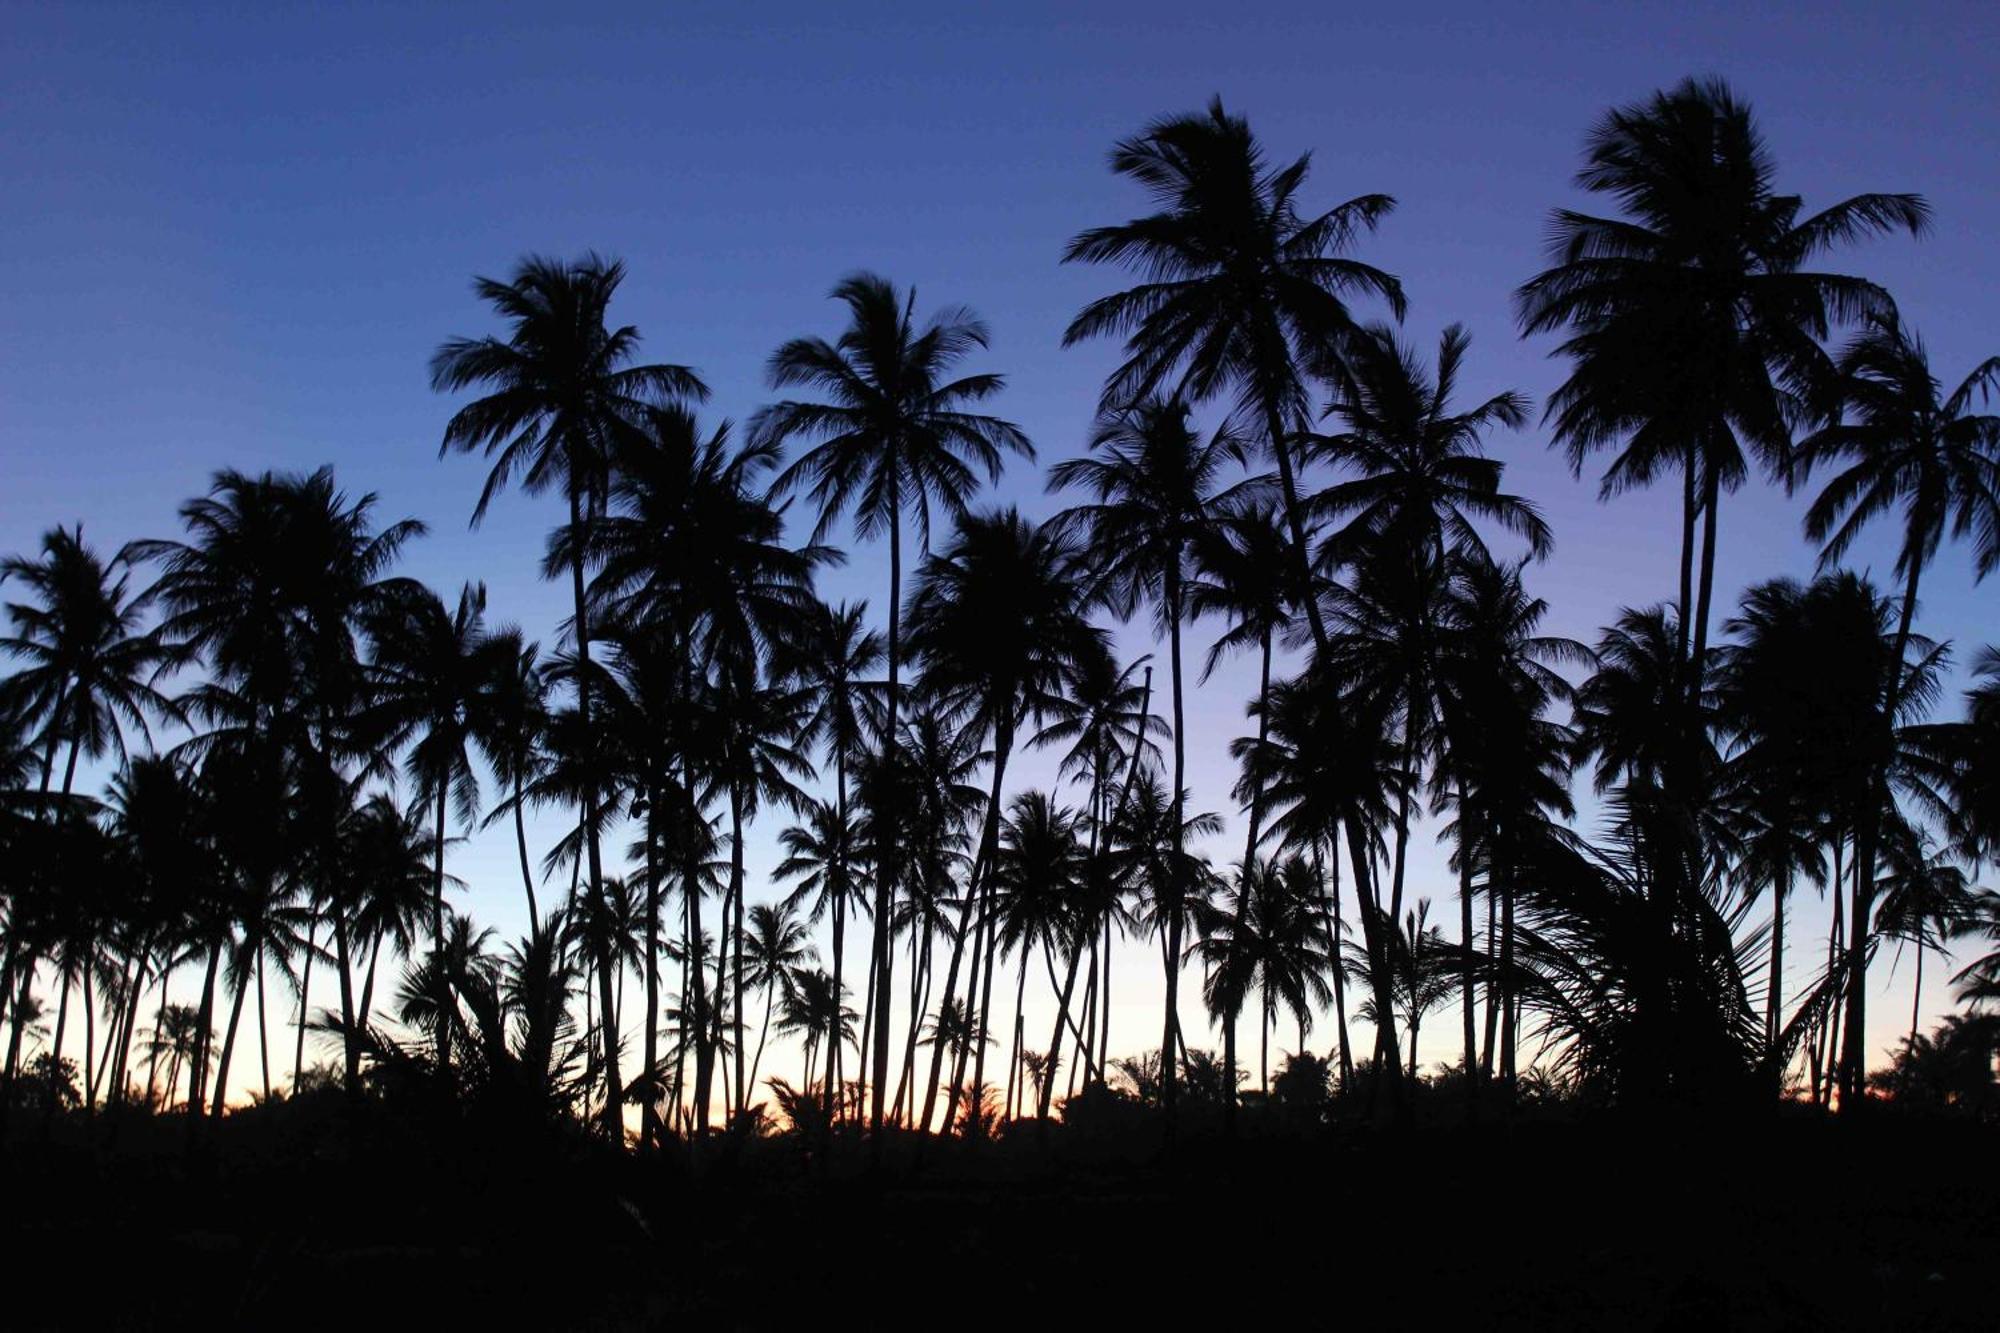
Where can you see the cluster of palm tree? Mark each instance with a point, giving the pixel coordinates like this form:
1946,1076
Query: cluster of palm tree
339,726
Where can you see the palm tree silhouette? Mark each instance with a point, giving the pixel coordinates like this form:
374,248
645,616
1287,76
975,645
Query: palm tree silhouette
1155,502
1240,292
997,618
895,435
1708,259
564,394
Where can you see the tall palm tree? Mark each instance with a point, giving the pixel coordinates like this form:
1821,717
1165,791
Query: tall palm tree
1240,292
1708,261
998,620
563,393
1156,498
893,434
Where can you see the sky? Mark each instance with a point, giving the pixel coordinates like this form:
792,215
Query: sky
233,235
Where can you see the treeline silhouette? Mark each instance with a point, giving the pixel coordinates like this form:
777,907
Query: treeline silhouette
335,726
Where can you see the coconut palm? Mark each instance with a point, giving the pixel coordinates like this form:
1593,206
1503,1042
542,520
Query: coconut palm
563,394
1907,445
998,621
86,671
1037,872
775,947
894,434
1239,291
1708,260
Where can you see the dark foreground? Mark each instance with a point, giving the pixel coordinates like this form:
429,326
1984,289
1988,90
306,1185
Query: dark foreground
296,1218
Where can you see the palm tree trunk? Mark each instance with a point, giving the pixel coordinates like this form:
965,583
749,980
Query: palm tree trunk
1689,508
305,997
1171,1025
198,1061
770,995
1468,996
1018,1050
1301,555
614,1114
1774,997
736,956
1336,942
1003,741
885,879
1854,1048
527,872
649,1115
839,929
1698,660
229,1039
263,1028
437,929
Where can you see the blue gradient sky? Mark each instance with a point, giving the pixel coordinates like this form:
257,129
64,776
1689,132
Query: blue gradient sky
233,235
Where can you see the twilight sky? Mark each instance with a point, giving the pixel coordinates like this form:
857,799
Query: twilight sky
233,236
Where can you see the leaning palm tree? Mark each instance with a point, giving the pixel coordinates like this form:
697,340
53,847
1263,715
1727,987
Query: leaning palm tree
563,394
1240,292
1709,260
895,434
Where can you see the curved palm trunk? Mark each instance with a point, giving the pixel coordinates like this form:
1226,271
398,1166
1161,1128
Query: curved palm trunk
1249,854
198,1060
305,997
527,872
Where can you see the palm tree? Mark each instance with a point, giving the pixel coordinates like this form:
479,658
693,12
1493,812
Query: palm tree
1038,869
1421,479
515,716
1927,898
434,672
88,670
998,621
894,434
1155,501
819,854
775,948
1909,446
1708,260
1423,968
1239,291
830,658
563,394
278,581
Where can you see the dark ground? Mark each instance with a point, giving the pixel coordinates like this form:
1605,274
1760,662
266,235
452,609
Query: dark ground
303,1218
